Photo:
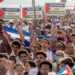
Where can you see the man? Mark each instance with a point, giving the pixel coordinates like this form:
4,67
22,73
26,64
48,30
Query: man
73,38
5,64
4,43
15,47
23,56
40,57
69,50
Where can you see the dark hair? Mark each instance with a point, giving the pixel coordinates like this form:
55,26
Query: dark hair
1,20
47,63
59,32
28,49
39,45
18,40
22,44
4,55
41,37
72,35
60,38
22,52
41,53
31,63
16,43
12,57
68,62
47,41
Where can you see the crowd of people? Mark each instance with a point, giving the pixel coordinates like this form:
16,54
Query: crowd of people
38,55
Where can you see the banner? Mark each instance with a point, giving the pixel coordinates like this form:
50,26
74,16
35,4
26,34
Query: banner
63,1
55,9
1,1
9,13
28,12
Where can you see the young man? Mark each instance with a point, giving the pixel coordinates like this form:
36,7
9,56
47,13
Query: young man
40,57
4,43
15,47
45,68
23,56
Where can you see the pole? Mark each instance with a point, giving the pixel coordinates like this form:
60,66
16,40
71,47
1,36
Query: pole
34,9
33,5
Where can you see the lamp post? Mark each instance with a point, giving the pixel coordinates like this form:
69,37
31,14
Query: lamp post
33,5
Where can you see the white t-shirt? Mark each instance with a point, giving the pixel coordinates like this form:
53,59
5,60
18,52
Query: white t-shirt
33,71
50,56
8,73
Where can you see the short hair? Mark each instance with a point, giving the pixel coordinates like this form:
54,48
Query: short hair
41,53
72,35
41,37
22,52
39,45
16,43
4,55
28,49
60,38
31,63
47,63
47,41
12,57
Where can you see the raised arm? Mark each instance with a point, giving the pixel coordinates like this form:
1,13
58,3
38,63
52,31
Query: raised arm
19,30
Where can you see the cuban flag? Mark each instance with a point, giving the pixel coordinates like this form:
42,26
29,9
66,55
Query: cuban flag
15,34
65,71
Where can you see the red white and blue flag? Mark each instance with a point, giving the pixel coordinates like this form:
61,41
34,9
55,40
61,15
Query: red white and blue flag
65,71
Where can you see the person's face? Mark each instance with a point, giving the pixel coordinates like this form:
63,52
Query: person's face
13,61
27,67
69,50
22,47
52,45
44,70
40,58
46,43
31,37
35,48
23,57
15,47
41,40
19,70
59,47
59,54
73,39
